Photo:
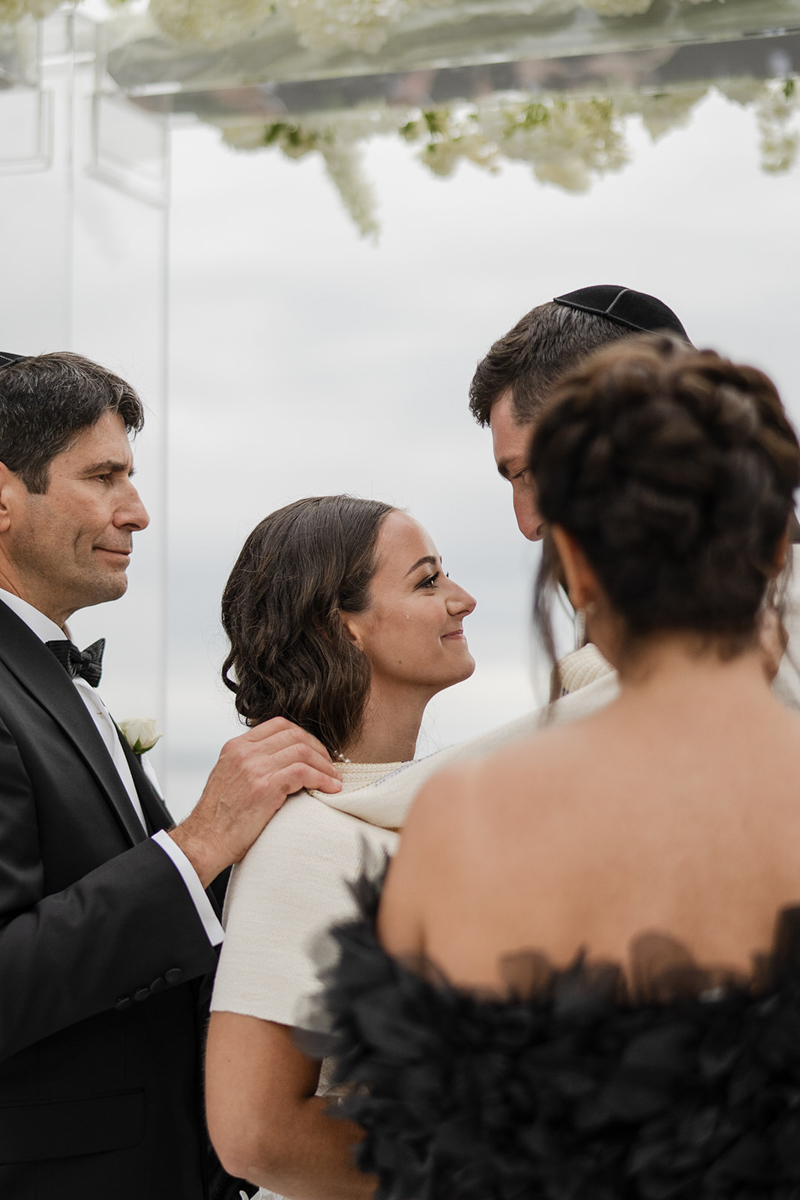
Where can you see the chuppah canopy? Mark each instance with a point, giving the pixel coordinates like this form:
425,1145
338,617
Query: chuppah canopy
550,82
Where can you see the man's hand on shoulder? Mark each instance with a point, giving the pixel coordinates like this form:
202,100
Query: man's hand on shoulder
254,774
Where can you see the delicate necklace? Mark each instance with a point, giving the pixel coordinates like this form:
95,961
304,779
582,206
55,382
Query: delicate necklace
342,758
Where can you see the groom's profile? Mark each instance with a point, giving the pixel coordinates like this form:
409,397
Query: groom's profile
512,381
109,915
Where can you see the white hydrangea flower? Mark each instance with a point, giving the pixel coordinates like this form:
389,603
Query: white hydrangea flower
322,25
741,91
565,140
451,134
12,11
775,110
667,110
325,25
617,8
209,22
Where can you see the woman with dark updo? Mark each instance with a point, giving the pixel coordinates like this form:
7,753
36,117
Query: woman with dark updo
583,978
341,619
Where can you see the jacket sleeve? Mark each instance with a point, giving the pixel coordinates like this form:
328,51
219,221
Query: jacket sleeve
126,930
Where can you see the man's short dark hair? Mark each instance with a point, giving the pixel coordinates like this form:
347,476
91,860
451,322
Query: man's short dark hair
527,361
46,400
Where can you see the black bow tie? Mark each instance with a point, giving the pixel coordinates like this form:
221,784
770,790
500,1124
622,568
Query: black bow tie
87,663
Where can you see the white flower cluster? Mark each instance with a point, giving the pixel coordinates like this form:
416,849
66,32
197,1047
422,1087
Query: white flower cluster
664,111
338,138
775,111
207,21
776,104
618,8
364,25
568,140
322,25
12,11
564,141
624,8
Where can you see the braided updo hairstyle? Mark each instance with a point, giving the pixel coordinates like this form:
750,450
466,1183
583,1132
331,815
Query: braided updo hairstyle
674,469
292,657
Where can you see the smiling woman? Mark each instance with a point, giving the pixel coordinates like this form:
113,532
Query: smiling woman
340,618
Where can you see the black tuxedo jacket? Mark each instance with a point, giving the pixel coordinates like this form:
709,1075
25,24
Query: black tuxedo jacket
101,957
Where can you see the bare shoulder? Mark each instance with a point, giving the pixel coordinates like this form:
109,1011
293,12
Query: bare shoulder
458,802
419,865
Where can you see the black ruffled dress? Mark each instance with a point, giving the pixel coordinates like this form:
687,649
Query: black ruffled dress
571,1089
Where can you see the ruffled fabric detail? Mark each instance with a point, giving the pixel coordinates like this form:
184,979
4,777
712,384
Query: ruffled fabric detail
571,1088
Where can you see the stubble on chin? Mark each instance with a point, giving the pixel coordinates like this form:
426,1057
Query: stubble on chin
102,589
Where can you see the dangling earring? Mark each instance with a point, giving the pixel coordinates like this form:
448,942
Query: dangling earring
580,628
588,610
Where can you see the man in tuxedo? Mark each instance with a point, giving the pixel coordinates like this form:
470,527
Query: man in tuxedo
109,915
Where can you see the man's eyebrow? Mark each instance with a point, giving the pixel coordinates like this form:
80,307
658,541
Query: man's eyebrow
428,560
110,466
509,467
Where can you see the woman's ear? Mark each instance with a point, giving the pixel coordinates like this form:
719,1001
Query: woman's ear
583,587
350,625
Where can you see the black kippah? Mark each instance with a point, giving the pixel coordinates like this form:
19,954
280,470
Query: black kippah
7,359
634,310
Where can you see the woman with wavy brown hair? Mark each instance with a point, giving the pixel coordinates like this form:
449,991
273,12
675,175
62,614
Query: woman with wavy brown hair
583,979
340,619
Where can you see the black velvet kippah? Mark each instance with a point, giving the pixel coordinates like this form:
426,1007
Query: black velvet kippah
7,359
634,310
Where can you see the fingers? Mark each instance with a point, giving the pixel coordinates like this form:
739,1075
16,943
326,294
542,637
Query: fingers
303,755
279,734
285,730
249,774
301,775
288,771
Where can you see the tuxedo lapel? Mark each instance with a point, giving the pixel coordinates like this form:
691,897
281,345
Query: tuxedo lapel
155,810
43,677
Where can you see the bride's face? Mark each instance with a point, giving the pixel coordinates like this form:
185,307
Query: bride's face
412,631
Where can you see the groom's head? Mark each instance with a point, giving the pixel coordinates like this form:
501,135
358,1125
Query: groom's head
68,507
513,381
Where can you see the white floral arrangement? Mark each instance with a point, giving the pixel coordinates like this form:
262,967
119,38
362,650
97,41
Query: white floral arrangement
12,11
568,140
321,25
325,25
141,733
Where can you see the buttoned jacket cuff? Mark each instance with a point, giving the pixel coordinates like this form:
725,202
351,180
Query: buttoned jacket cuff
205,909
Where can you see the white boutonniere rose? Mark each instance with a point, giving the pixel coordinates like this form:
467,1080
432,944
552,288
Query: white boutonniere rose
141,733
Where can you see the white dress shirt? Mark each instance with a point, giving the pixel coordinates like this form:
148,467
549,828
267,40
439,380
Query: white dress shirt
47,631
